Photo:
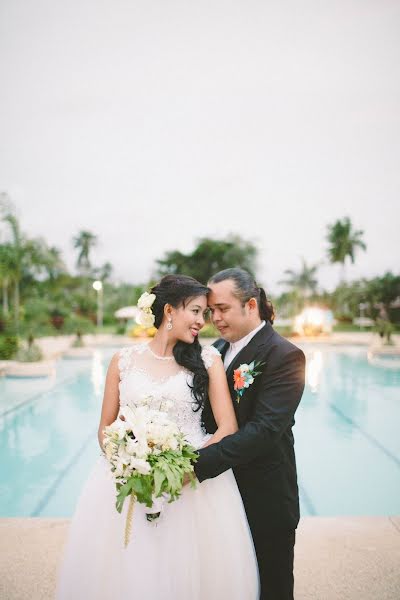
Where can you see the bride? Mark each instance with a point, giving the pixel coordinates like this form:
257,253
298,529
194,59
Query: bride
200,548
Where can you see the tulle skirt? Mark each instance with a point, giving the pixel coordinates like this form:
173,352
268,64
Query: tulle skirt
200,548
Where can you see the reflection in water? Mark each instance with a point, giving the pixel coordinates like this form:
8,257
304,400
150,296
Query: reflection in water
314,370
347,441
15,391
40,439
387,360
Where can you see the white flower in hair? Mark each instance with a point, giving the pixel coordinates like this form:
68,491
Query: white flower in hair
145,319
145,316
146,300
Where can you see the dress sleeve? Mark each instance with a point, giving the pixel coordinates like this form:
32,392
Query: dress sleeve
208,355
124,361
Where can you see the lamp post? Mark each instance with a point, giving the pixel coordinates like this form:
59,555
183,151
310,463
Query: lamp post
98,286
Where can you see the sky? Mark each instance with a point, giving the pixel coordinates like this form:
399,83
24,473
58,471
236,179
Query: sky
155,123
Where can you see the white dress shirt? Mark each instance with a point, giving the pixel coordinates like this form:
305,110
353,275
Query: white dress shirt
236,347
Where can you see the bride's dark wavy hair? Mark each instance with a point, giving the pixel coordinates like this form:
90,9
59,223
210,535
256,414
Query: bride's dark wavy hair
177,290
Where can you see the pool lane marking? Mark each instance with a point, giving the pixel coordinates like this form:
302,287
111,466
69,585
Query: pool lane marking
40,395
307,501
367,435
52,489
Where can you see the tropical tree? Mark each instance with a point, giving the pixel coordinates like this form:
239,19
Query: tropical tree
383,295
209,257
18,255
6,255
378,297
303,281
345,300
21,258
6,273
344,242
289,303
53,262
84,242
104,272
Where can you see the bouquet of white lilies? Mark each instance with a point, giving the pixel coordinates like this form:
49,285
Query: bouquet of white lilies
149,458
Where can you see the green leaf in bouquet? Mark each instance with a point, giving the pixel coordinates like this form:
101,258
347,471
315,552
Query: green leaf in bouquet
124,491
142,486
193,481
176,468
159,481
190,453
173,480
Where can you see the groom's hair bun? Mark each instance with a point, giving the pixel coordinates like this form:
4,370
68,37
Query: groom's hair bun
246,288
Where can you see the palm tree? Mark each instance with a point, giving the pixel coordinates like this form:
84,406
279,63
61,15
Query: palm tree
6,273
21,256
104,272
303,281
344,241
16,255
53,263
84,242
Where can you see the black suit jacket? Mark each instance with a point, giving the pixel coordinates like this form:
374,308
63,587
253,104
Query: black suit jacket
261,453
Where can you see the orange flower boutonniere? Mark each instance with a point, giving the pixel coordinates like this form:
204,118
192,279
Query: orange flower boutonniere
243,377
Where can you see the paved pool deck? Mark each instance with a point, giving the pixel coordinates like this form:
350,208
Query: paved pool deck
341,558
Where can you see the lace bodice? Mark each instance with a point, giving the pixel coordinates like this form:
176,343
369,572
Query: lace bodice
166,383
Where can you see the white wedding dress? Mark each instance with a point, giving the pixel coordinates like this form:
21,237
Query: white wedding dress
200,548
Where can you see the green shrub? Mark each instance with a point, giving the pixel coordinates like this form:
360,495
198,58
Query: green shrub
36,317
8,346
284,330
31,354
75,323
78,341
120,329
57,316
385,329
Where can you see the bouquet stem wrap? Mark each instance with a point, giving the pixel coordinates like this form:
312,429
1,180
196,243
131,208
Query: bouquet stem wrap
129,516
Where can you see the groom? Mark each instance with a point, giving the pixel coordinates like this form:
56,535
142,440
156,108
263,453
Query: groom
261,453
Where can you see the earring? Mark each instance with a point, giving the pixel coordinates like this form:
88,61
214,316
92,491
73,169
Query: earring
169,324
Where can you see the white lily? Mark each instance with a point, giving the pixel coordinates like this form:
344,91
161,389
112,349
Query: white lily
140,465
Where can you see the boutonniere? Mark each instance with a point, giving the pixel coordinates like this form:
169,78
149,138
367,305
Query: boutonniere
243,377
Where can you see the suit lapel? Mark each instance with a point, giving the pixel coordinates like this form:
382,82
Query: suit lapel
247,354
222,347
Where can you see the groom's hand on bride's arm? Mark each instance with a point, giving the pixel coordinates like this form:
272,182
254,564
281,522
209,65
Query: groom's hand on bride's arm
279,392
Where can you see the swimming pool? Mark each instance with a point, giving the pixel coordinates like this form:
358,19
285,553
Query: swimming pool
347,440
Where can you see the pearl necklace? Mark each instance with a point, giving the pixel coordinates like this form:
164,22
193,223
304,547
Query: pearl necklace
159,357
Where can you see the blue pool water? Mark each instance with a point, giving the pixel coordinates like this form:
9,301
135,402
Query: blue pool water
347,439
